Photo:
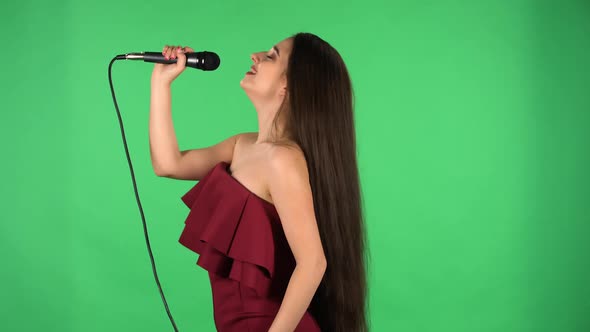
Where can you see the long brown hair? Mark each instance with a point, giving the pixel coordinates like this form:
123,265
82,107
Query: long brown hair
318,109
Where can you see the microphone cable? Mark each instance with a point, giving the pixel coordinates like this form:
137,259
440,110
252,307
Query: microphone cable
147,239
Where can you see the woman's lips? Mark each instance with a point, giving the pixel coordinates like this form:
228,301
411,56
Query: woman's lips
252,70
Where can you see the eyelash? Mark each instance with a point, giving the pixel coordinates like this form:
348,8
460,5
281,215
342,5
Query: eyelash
268,57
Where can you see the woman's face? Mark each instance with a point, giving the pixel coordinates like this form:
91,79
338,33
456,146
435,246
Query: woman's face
266,80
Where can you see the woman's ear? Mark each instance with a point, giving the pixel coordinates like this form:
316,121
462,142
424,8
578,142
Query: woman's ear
283,91
283,86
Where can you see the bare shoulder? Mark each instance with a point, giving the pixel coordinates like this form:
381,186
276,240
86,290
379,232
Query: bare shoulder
282,153
287,161
247,136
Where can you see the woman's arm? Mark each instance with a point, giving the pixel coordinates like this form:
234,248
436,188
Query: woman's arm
289,187
302,286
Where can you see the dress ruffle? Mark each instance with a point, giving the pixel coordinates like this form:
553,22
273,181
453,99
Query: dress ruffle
236,235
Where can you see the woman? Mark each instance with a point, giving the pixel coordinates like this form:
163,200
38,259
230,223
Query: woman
276,216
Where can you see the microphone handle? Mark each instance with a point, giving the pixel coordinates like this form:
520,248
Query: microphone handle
157,58
200,60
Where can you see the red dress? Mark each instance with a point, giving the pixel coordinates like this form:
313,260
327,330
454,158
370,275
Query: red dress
241,243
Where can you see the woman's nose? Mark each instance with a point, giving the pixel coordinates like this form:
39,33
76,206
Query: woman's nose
254,57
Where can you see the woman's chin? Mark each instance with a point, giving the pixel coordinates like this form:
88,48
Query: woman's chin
246,87
245,83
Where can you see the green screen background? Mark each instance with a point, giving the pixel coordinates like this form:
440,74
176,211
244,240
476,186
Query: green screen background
473,124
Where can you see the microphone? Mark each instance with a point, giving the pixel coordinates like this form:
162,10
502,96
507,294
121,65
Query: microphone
200,60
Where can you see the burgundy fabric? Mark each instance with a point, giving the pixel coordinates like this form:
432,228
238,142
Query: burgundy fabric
241,243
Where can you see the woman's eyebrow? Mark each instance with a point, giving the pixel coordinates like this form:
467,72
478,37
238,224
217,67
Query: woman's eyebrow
276,50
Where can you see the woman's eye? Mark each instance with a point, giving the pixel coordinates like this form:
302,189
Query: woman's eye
268,56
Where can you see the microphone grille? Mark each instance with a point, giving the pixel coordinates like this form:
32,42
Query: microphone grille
210,60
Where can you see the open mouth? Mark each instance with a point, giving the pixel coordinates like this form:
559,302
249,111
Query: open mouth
252,71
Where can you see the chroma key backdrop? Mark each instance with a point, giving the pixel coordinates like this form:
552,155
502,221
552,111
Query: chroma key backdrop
473,131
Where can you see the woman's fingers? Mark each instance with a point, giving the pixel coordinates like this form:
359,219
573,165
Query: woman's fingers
170,72
180,64
166,51
170,51
173,50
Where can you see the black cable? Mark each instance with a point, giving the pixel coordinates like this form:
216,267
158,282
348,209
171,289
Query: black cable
147,239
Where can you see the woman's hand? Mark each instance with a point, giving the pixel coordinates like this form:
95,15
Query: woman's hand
167,73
